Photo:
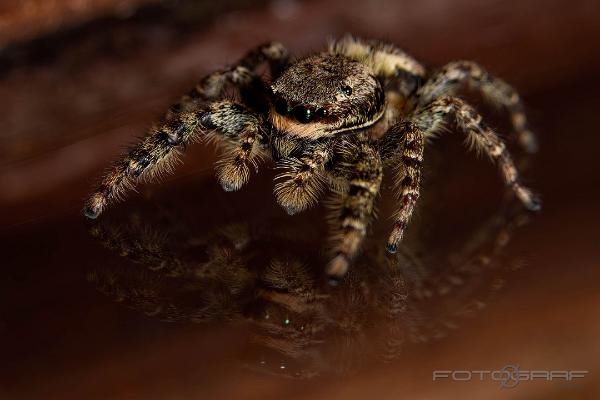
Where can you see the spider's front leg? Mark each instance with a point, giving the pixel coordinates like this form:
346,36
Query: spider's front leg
180,126
160,148
362,166
303,178
452,76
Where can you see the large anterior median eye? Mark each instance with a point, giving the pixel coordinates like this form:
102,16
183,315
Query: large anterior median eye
303,114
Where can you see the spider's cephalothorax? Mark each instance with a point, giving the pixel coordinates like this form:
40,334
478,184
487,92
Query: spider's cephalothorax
330,120
325,95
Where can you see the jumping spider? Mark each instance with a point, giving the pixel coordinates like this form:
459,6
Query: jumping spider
331,119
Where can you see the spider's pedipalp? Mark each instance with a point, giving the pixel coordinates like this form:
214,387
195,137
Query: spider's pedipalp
242,132
408,179
480,136
452,76
362,164
302,182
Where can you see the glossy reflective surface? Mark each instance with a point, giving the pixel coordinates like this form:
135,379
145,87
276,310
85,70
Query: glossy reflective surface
185,291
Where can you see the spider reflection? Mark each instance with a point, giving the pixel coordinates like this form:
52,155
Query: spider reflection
249,275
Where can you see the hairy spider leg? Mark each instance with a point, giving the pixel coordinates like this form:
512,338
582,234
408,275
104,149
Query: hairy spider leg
161,147
362,166
429,120
411,141
449,79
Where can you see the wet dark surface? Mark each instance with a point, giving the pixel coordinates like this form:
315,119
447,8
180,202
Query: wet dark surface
185,291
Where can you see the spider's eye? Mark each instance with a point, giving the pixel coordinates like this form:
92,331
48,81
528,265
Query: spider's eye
303,114
281,106
321,113
347,90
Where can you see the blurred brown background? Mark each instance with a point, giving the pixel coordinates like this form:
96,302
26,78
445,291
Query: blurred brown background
78,80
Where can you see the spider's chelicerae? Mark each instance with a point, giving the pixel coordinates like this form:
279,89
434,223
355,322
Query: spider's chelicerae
332,119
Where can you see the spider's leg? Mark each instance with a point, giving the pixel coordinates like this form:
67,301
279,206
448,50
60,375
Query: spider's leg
240,75
140,244
412,144
157,152
162,286
433,116
302,182
160,147
274,53
362,166
452,76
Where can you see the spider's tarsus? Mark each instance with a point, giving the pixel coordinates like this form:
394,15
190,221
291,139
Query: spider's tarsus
91,213
534,204
391,248
291,210
94,205
530,200
228,187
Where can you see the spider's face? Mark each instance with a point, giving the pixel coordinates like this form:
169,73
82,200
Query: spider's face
325,94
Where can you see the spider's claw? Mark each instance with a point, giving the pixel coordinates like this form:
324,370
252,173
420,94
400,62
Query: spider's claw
530,200
336,269
391,248
534,204
94,206
229,186
291,210
91,213
395,237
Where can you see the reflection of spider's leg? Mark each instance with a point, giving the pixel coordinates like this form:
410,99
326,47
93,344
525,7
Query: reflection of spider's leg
471,278
143,246
362,165
169,287
161,147
408,178
239,75
302,182
448,80
433,116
